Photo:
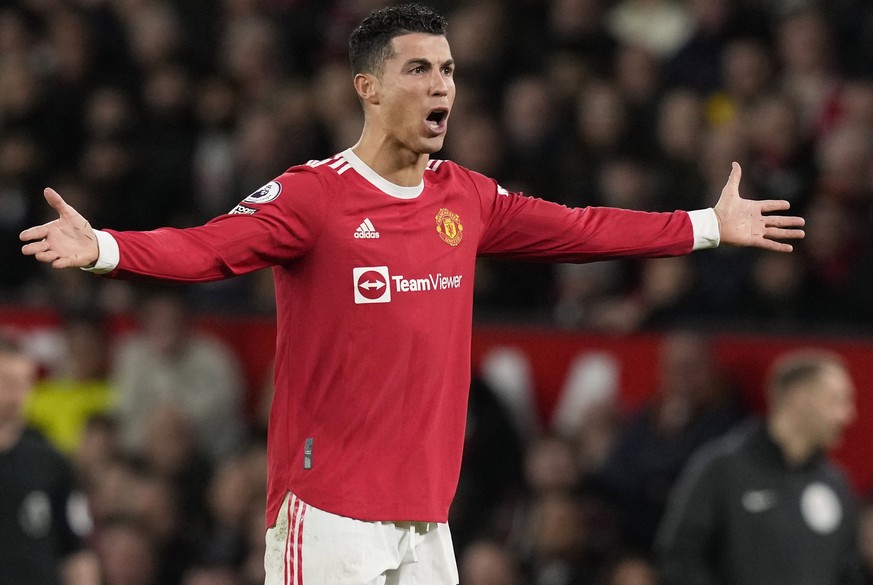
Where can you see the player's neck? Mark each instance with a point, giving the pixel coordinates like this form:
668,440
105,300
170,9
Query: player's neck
392,162
795,445
10,432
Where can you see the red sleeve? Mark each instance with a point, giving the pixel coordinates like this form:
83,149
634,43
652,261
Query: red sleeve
527,228
275,225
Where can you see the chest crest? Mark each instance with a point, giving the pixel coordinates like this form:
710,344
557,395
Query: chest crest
449,227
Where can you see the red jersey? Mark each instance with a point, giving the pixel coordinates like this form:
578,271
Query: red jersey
374,290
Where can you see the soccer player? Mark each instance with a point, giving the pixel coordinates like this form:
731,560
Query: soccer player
373,252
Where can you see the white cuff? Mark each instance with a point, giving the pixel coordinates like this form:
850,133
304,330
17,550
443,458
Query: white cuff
107,254
705,225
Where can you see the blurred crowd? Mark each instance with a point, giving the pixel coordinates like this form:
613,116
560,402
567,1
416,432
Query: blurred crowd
144,113
172,467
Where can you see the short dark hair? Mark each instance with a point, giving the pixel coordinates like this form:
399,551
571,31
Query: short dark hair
10,342
799,367
370,42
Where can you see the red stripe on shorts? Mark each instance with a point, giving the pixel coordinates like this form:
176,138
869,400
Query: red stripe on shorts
294,542
299,544
288,542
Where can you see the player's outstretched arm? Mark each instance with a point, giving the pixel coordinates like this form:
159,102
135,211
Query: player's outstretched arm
745,222
65,242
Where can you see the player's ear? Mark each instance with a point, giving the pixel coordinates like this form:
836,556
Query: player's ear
367,86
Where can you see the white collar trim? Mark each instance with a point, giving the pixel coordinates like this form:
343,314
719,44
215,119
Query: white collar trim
379,181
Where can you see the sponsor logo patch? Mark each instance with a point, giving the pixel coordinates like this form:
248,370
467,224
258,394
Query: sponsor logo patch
242,210
374,284
448,226
371,285
265,194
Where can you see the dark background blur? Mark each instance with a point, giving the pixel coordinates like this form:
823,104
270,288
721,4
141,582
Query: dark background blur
145,113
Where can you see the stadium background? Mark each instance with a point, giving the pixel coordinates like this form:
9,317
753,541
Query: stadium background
146,113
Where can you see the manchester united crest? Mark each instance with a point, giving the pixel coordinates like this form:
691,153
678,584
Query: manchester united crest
448,226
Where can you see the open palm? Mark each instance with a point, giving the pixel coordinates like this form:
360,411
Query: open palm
65,242
745,222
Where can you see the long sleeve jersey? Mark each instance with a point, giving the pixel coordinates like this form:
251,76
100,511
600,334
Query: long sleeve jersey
374,292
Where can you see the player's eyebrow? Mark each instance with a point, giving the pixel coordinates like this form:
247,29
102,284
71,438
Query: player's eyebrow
427,64
420,62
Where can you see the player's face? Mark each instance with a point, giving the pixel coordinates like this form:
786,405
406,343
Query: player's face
17,376
416,92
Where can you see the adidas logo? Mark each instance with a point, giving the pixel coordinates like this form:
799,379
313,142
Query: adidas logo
366,231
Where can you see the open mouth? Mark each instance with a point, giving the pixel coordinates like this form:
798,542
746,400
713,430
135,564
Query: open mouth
437,118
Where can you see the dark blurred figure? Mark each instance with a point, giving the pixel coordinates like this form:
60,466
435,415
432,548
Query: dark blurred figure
490,483
836,248
697,63
487,563
865,540
558,536
128,554
629,569
680,128
810,73
78,388
778,293
166,361
693,403
39,540
171,452
763,505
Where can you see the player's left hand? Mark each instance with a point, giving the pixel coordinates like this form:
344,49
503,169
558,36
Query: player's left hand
746,222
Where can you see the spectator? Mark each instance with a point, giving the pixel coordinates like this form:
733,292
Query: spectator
490,483
166,361
487,563
692,404
128,555
63,403
98,447
782,158
836,249
680,129
629,569
558,536
72,76
747,73
171,453
777,293
809,73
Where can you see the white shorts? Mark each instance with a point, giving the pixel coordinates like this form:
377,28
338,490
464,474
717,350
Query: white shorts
308,546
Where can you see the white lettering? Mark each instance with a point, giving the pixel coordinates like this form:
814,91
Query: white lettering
431,283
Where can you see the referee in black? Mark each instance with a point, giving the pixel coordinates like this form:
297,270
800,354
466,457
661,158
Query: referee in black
763,505
37,544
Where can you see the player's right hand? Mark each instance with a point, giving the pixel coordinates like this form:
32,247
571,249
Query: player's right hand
68,241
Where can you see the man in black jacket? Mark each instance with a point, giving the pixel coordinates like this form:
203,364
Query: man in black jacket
38,546
763,505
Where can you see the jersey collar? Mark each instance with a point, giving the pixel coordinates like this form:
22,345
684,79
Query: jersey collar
380,182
